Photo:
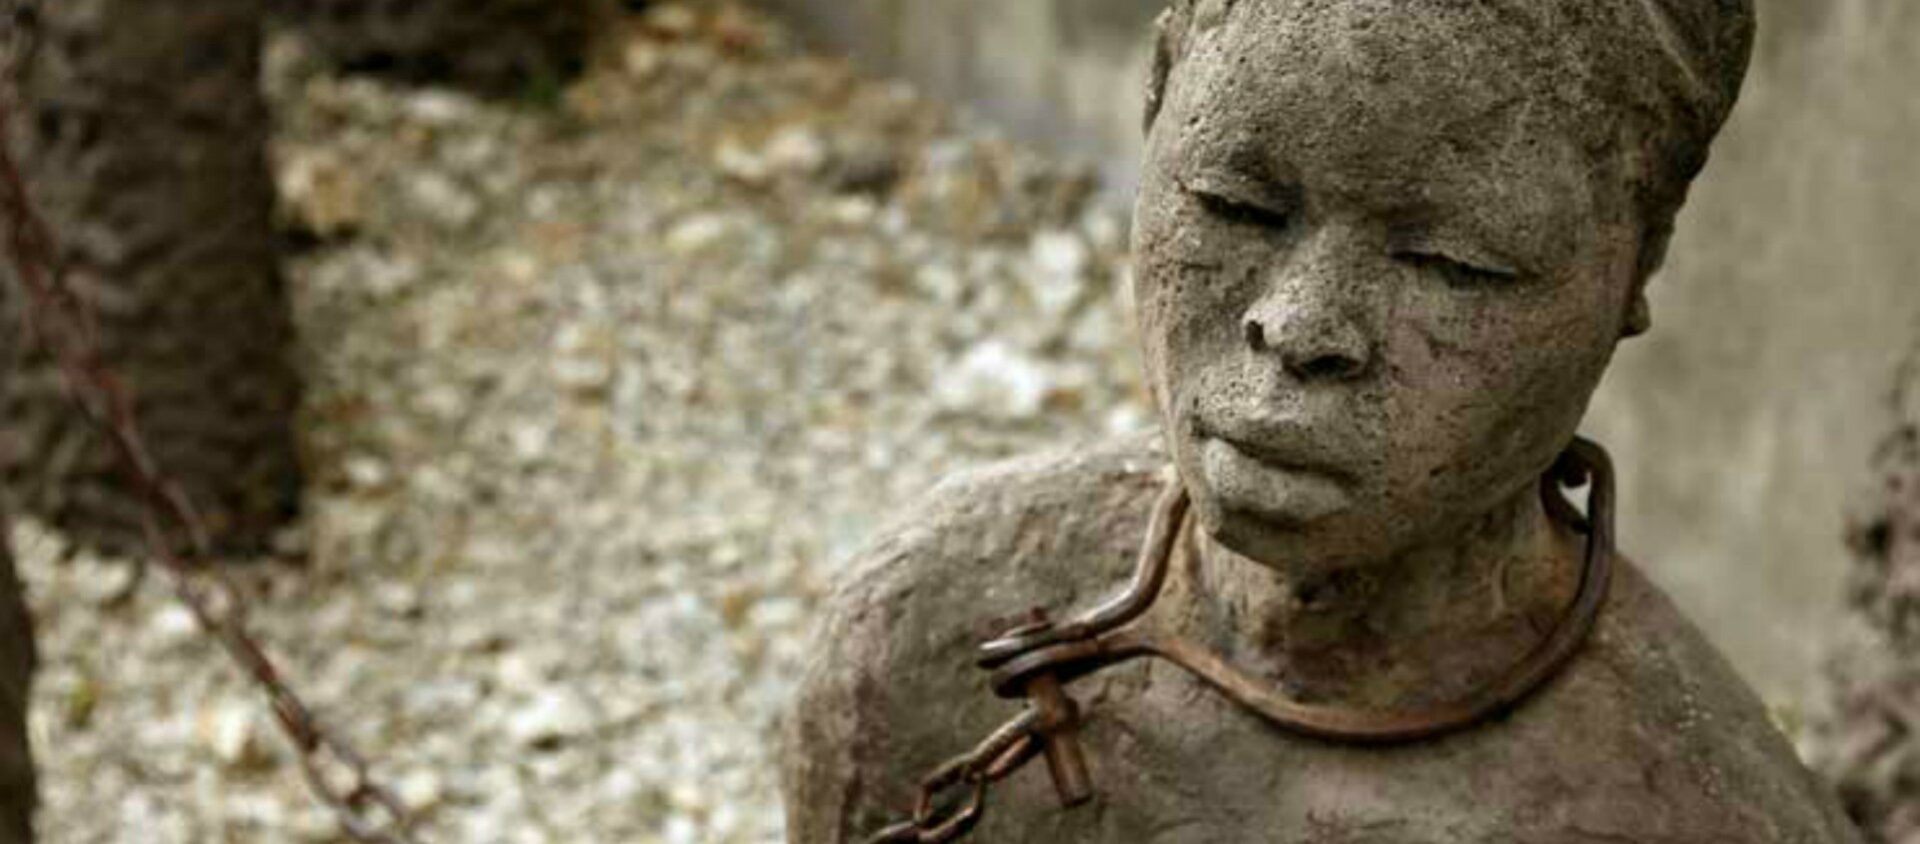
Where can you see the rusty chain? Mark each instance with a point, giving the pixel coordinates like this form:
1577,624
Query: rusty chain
337,774
996,757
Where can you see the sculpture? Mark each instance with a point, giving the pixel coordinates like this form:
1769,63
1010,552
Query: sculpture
1384,252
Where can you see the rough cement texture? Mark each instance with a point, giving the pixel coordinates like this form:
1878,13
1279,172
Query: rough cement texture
1741,423
1398,257
1647,737
498,46
144,145
1384,252
1867,743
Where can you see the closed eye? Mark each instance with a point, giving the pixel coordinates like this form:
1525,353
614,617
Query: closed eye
1238,211
1460,274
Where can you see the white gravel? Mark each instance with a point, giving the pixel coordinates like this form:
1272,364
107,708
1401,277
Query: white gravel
599,391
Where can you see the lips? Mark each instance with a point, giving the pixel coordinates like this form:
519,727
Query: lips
1275,485
1285,444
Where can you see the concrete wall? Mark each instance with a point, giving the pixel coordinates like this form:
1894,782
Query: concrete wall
1067,74
1742,421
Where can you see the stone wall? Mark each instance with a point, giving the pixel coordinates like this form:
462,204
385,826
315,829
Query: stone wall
1067,74
1741,421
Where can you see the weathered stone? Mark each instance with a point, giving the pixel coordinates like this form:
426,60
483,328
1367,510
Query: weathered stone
1648,736
143,138
1867,743
1384,252
1734,440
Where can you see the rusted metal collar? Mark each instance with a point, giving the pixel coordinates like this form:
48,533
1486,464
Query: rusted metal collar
1037,660
1104,637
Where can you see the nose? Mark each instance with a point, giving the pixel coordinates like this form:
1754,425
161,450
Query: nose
1334,353
1316,316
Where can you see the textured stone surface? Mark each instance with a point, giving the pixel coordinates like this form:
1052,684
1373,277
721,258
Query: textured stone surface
1384,251
1647,737
499,46
1867,741
1738,425
144,142
1402,253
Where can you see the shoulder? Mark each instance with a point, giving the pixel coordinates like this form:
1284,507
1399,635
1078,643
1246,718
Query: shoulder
1019,530
1056,530
1001,506
1676,718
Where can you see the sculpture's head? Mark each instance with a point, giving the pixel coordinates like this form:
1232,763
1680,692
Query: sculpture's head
1386,247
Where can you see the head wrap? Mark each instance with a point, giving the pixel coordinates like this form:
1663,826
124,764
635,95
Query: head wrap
1661,76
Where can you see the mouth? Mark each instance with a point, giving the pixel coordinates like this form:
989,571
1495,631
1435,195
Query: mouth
1287,447
1279,484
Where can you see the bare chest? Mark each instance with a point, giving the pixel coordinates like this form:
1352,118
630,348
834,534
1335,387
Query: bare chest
1171,762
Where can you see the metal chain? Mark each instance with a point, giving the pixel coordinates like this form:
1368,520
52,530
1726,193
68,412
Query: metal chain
338,775
996,757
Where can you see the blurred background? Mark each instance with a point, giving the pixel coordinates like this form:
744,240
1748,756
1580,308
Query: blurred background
536,361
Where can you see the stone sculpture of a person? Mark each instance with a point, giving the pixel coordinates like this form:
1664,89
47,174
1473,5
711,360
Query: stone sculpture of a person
1385,250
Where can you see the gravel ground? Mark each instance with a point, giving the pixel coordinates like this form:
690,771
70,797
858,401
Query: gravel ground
602,382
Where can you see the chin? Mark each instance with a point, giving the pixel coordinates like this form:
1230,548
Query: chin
1302,509
1325,543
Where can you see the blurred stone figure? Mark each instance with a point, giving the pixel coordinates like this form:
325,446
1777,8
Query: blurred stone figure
143,137
16,672
1871,746
497,46
17,787
1385,250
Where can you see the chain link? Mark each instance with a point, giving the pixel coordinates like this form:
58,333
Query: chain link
338,775
995,758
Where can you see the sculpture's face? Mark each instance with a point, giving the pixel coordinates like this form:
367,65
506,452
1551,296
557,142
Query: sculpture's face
1377,278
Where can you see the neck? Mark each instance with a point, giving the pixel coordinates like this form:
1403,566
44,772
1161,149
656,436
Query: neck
1425,627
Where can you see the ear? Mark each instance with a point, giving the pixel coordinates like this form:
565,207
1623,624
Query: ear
1163,50
1653,253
